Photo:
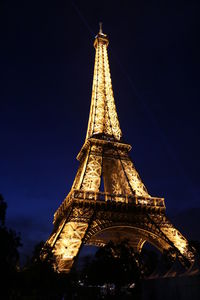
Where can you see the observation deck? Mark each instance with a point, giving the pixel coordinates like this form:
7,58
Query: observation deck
102,198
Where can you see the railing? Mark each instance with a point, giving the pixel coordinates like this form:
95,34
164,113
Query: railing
104,197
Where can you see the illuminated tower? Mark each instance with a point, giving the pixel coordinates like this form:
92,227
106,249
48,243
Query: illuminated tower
124,209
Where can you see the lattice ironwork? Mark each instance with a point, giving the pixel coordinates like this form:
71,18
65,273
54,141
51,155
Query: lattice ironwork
124,207
134,178
103,117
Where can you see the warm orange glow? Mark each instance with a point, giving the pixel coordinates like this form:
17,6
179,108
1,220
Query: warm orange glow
104,157
103,117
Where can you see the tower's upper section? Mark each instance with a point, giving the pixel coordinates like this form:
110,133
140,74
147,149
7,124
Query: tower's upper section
103,120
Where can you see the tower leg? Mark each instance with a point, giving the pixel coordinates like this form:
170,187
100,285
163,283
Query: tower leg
68,244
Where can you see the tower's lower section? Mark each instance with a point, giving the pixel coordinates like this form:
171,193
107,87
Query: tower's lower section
96,218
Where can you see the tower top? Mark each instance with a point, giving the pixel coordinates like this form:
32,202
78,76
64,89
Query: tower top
101,37
103,120
100,28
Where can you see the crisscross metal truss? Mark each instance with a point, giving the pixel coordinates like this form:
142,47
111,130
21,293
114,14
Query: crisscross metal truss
156,229
103,117
68,243
104,161
121,207
98,225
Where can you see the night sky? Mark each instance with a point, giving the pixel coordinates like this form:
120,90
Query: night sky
47,60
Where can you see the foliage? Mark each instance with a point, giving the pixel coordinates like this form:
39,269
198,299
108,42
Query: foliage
9,255
149,260
114,263
195,245
3,207
168,258
39,278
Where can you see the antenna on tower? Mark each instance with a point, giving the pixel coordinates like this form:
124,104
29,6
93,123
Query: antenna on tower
100,28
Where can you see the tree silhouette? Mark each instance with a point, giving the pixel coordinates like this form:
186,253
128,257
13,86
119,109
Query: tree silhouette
195,245
9,255
150,260
3,207
39,278
115,264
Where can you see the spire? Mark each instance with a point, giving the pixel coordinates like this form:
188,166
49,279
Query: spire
103,120
100,28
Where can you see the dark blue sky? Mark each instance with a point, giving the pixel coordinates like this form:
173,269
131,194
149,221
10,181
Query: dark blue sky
47,59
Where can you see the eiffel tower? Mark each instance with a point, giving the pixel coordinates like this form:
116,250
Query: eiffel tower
124,209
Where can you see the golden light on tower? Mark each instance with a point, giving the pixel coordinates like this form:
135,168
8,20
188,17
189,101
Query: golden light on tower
103,117
124,209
